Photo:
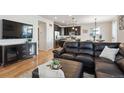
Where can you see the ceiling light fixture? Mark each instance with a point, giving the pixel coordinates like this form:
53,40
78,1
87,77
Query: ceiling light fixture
76,29
74,23
94,35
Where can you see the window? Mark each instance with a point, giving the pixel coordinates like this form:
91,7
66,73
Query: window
95,32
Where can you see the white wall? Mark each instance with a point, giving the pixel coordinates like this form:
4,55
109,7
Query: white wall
49,32
0,29
106,31
33,19
120,34
42,35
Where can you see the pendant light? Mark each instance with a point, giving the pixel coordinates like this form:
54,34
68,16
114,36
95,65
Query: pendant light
73,24
94,35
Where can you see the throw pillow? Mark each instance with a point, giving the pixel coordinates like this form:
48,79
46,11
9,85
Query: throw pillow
109,53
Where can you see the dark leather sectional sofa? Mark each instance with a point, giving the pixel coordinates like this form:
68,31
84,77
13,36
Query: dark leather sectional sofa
88,53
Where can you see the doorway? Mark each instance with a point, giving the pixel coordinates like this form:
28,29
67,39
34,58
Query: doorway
41,35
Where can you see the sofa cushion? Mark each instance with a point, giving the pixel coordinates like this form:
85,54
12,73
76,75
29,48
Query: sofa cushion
121,51
86,48
98,47
97,53
71,47
86,59
120,64
68,56
88,63
118,57
108,68
104,66
71,50
106,75
86,45
86,51
71,44
109,53
101,59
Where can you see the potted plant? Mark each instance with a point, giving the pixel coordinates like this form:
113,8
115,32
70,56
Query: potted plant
55,64
29,40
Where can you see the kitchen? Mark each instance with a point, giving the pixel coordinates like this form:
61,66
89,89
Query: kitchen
63,34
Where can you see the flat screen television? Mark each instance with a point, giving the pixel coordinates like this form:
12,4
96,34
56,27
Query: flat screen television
14,30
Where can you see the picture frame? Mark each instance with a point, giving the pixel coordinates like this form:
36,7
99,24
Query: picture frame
121,22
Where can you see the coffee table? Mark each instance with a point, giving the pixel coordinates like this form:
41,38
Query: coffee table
46,72
70,69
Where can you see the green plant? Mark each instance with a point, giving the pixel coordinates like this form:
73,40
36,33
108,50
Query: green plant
55,62
29,39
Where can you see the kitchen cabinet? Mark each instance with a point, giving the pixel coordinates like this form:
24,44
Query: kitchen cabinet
69,30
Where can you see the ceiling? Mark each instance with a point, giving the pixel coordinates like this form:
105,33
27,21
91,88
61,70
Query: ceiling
66,20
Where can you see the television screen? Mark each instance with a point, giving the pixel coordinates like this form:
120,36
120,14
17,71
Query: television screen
13,30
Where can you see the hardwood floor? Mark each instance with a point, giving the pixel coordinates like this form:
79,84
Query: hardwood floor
16,69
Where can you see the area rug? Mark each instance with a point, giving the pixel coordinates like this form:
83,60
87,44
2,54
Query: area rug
28,74
86,75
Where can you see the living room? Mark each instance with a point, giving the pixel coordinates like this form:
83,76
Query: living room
93,31
61,46
50,35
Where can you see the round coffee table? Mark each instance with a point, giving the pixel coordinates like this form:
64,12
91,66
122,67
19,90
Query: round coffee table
46,72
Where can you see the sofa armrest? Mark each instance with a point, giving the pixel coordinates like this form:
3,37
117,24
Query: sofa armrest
118,57
58,52
121,49
35,73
